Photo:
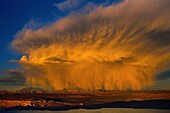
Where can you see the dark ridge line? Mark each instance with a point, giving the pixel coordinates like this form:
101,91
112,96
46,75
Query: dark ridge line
146,104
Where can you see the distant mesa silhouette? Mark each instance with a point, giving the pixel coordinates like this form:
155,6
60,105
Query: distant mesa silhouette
32,90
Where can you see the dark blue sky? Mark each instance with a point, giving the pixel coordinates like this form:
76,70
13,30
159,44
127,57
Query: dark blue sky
16,14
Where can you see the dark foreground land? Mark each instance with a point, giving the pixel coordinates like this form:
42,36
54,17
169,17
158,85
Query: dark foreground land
85,99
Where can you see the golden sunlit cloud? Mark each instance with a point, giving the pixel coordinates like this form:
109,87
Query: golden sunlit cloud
116,47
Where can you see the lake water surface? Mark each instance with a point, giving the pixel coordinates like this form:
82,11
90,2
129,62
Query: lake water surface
103,110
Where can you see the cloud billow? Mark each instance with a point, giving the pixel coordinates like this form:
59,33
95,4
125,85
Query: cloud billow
115,47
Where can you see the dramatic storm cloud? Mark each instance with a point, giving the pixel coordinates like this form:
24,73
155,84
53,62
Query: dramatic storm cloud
115,47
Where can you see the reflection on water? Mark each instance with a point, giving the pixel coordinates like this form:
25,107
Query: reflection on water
103,110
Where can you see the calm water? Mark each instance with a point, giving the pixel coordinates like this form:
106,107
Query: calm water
103,110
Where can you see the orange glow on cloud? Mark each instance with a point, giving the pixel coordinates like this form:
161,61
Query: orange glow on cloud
116,47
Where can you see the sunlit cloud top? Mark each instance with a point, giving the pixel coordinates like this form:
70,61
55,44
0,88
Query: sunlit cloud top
118,46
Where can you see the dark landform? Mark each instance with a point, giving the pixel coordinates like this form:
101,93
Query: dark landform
66,100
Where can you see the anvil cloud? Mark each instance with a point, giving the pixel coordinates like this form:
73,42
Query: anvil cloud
115,47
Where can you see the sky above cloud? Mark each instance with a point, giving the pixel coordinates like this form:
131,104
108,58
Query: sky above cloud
60,40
